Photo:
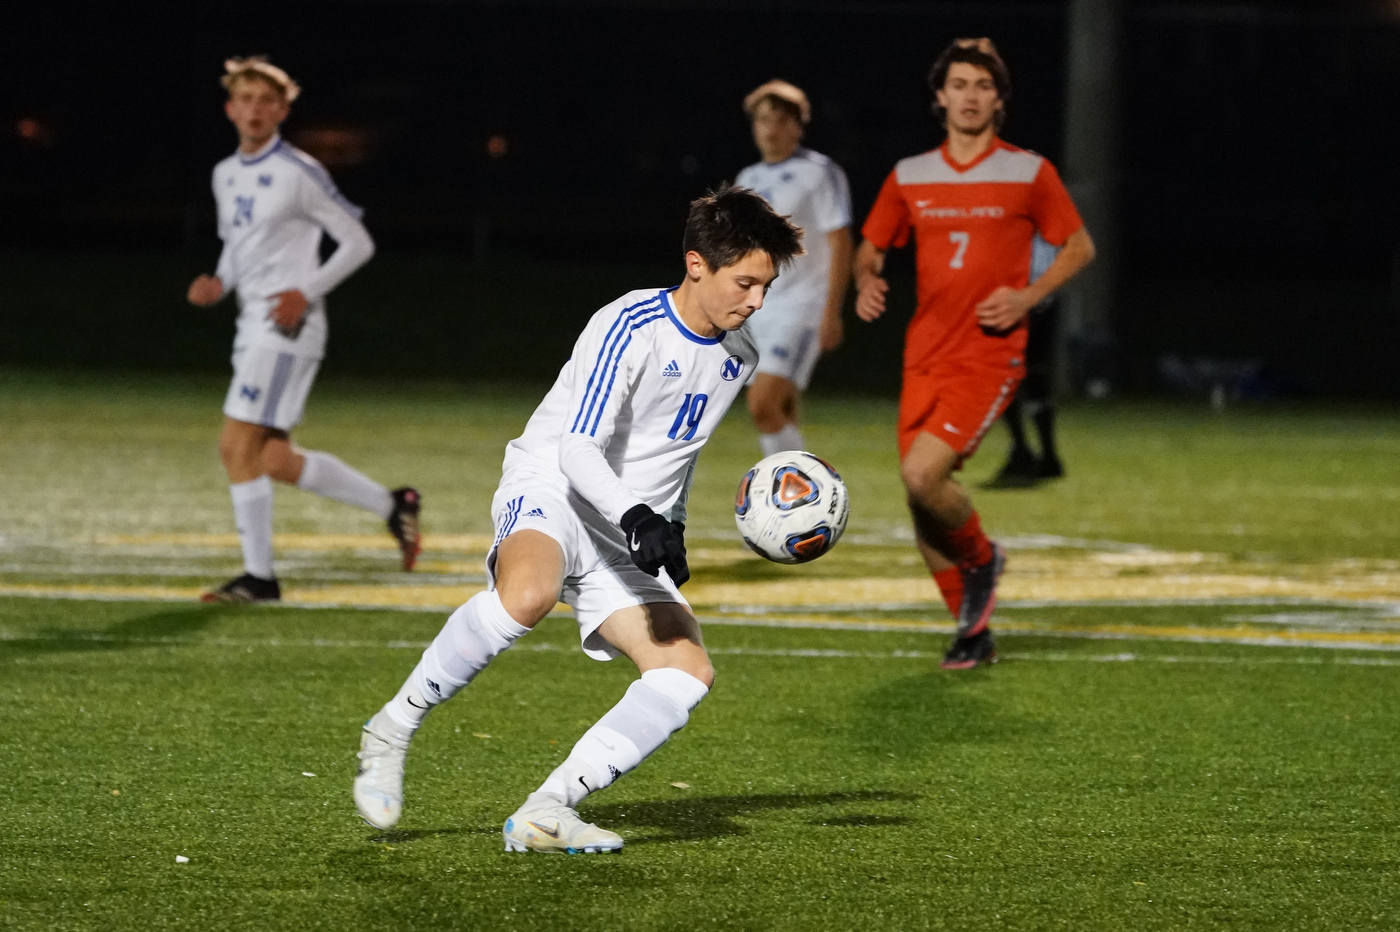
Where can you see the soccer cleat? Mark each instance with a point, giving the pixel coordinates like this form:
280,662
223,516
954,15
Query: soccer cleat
379,782
246,588
1020,471
980,593
969,652
543,823
403,524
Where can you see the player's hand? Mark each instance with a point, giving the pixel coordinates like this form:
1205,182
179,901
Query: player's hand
205,290
1004,308
656,543
288,311
870,299
832,332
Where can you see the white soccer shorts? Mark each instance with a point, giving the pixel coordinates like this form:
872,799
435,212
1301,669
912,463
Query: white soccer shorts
787,347
269,387
599,576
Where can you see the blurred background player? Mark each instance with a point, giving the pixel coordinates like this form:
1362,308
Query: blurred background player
974,205
274,201
1036,393
591,510
802,314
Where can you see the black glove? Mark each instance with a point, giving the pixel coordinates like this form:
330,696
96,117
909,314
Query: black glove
655,542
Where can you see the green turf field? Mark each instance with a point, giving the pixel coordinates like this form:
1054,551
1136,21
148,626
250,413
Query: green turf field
1190,728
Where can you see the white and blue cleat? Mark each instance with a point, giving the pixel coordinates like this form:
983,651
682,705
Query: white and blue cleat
545,824
379,783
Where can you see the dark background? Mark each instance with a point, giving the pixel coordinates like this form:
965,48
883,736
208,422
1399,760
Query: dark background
1258,179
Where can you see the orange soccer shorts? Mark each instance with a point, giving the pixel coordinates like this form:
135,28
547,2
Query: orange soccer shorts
955,402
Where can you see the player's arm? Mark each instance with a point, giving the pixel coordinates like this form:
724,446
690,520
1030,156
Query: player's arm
207,290
887,225
1005,307
838,278
598,397
871,286
354,247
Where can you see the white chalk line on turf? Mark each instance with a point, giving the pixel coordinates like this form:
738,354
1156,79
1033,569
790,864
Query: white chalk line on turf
781,652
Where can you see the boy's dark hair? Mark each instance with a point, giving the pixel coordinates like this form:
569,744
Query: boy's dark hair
979,52
783,104
728,223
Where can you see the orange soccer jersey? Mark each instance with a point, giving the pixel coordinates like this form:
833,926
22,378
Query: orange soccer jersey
973,226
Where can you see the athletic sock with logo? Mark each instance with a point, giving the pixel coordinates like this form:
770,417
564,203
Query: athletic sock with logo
654,708
789,438
950,585
252,513
474,634
325,475
970,543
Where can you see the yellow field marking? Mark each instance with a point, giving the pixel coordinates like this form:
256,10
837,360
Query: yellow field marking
463,543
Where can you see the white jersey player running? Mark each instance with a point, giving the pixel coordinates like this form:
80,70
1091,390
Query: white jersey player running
802,314
274,201
591,509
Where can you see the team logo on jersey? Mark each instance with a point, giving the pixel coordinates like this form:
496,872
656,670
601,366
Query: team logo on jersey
731,368
786,176
264,181
251,392
672,371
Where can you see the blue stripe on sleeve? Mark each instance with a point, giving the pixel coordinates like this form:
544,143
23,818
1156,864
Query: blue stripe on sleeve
592,431
610,340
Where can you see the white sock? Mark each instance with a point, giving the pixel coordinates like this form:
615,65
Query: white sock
474,634
654,708
252,513
789,438
327,476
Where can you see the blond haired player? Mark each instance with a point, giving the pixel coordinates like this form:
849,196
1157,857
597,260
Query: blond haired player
591,510
974,205
802,314
274,202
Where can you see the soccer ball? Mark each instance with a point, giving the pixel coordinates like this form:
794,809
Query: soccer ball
791,507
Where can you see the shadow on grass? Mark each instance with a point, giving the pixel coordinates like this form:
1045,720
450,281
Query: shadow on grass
912,715
170,625
699,817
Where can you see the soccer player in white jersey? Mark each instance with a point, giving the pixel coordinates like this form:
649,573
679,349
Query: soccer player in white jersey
802,314
274,201
591,510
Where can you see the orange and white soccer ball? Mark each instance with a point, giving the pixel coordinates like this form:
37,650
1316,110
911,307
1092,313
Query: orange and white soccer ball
791,507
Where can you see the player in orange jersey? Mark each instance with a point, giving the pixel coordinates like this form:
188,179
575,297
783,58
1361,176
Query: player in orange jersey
974,204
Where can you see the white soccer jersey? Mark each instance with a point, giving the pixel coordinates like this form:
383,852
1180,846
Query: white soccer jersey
811,190
632,407
273,205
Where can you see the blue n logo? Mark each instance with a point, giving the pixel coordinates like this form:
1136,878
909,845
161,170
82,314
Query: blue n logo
251,392
242,210
731,368
688,417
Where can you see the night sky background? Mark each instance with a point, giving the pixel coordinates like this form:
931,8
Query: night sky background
1258,182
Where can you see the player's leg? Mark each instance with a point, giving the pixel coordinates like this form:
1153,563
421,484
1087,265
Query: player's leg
773,401
1021,467
788,351
529,573
329,477
1039,387
663,640
240,450
964,562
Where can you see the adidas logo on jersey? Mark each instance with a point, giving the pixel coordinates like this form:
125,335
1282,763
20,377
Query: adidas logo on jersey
535,513
672,371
